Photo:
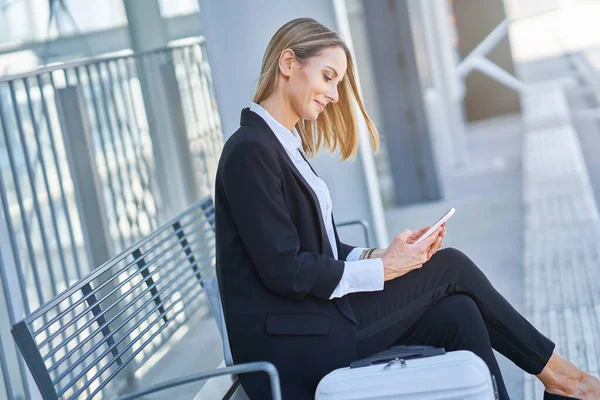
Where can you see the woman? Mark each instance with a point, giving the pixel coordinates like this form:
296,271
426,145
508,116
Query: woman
296,296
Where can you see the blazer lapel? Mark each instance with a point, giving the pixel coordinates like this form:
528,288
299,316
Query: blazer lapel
326,246
251,118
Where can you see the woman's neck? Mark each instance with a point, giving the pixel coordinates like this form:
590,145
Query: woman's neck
281,110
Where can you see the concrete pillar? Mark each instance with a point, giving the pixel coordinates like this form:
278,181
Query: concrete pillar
237,34
399,89
485,97
166,121
444,97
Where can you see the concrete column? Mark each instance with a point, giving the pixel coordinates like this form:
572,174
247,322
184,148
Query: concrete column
485,97
237,34
88,190
162,102
404,124
444,97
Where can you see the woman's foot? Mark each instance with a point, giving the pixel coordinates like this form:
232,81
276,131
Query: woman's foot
561,377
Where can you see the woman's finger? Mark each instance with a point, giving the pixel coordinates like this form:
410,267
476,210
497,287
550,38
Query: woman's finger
423,230
430,240
416,234
440,242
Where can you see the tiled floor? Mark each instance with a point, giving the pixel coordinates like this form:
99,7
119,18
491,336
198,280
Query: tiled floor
562,244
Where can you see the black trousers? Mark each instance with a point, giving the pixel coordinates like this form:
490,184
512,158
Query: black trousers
449,303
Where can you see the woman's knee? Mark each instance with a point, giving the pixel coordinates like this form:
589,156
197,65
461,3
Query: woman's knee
459,263
459,314
454,256
458,307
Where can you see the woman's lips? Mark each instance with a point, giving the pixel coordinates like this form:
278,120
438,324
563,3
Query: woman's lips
321,106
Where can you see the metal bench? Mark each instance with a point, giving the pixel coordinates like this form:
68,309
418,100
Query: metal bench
81,343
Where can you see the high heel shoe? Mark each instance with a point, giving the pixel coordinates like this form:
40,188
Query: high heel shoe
551,396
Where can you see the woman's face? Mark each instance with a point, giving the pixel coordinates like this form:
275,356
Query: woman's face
314,84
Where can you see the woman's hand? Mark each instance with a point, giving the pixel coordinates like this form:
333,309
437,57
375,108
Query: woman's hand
439,242
403,256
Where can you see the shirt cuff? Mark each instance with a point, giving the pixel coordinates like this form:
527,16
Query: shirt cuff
354,255
360,276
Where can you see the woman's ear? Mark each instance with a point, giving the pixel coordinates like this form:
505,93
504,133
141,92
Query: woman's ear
287,58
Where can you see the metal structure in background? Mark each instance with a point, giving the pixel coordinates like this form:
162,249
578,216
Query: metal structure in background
45,240
476,60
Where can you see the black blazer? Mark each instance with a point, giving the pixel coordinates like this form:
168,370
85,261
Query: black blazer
275,266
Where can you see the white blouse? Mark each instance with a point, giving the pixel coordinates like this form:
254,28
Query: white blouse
358,275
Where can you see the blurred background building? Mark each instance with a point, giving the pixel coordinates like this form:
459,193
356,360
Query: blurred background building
113,115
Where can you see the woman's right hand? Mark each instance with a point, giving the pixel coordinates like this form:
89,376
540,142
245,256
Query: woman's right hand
402,256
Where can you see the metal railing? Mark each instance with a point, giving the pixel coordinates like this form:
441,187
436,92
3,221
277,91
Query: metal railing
50,168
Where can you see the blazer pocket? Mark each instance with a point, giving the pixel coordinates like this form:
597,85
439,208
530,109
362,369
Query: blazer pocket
297,324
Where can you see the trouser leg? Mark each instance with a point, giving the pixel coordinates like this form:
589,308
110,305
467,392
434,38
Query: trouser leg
455,323
405,300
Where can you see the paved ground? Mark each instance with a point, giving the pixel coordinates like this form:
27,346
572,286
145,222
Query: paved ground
562,280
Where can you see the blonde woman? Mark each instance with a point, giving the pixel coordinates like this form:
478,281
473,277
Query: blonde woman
296,296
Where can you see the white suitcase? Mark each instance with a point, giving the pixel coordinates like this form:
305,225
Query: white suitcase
454,375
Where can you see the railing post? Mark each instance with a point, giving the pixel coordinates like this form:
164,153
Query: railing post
162,101
86,183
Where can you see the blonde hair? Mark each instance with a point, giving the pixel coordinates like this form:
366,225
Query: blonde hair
336,128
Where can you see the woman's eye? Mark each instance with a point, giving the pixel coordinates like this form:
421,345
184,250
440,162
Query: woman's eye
326,78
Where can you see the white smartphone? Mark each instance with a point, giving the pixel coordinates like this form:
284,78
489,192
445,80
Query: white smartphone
439,223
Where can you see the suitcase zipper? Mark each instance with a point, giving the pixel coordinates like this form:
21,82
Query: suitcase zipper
396,361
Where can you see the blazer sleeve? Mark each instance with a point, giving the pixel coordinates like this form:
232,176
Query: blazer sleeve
252,182
346,249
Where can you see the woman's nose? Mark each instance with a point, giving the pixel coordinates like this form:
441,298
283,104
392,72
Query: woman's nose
332,95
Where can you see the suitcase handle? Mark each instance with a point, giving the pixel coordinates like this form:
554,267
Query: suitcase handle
400,352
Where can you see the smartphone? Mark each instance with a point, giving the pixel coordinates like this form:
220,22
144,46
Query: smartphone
439,223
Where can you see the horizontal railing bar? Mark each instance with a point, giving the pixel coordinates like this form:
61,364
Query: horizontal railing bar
106,266
107,351
103,284
113,318
132,356
94,60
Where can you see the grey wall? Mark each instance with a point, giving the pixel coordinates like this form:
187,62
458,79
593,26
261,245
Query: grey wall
399,72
